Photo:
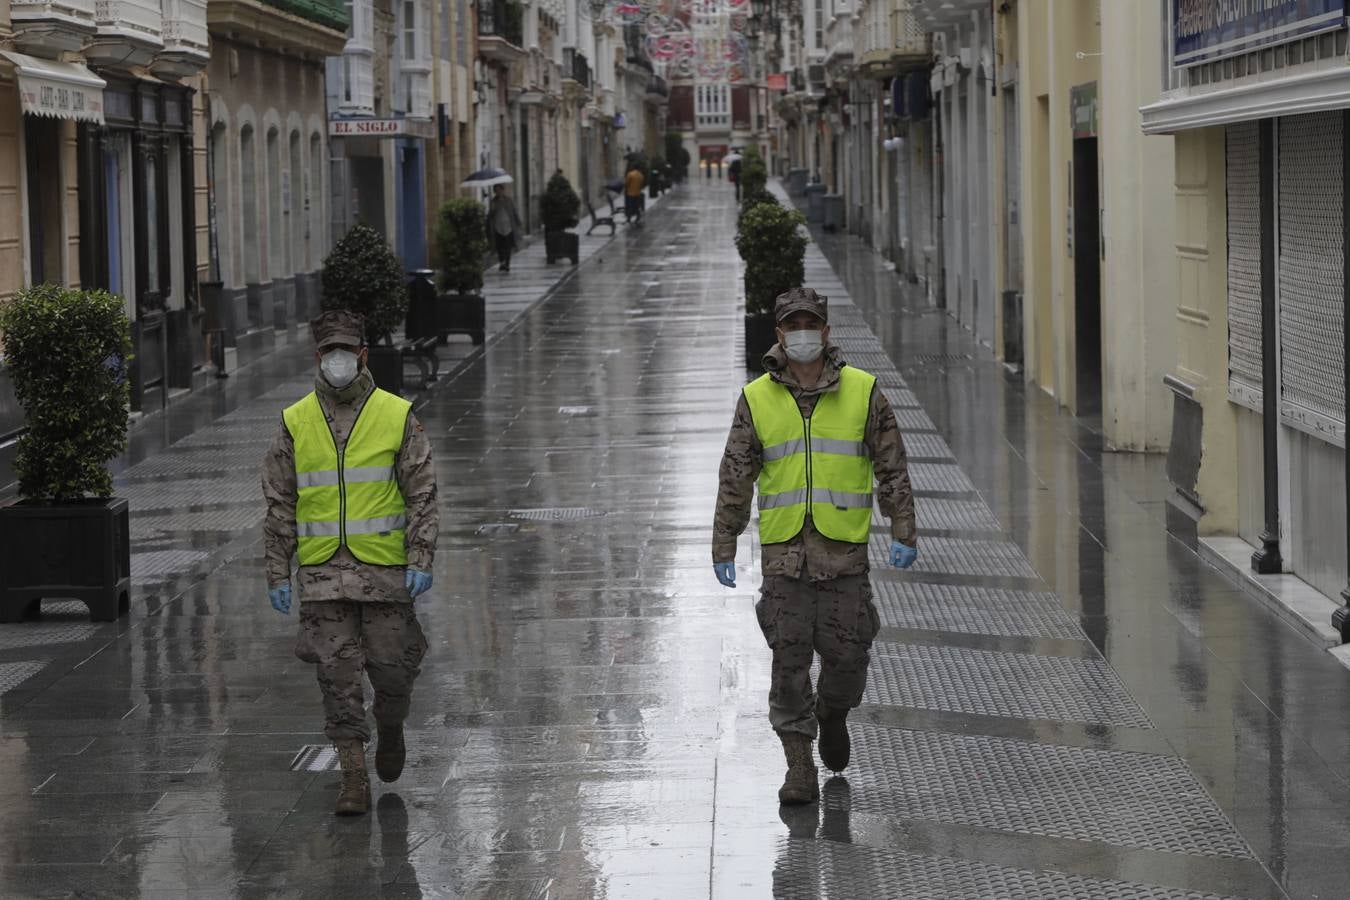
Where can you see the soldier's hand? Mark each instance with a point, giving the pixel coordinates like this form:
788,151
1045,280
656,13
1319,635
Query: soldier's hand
281,599
726,573
903,555
417,582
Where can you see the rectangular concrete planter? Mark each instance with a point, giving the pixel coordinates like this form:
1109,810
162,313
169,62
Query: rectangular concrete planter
72,551
386,367
561,245
462,314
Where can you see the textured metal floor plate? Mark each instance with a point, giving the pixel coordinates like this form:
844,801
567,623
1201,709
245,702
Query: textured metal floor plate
1108,796
953,515
972,610
939,477
901,397
315,758
812,869
16,673
926,446
39,634
914,420
957,556
158,563
190,492
992,683
557,514
208,520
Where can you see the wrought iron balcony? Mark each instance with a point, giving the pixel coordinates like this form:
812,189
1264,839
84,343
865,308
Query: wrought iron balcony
576,67
500,21
657,87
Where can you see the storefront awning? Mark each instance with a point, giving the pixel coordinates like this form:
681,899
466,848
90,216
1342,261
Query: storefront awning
61,90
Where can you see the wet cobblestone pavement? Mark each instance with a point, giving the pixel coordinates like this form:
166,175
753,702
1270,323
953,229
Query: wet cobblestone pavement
1062,702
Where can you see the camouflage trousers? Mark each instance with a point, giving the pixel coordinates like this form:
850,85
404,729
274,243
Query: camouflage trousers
801,618
345,639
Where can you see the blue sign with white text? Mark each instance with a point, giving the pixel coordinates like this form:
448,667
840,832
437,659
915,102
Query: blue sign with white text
1206,30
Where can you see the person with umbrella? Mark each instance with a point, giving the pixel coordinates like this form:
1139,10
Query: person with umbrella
503,221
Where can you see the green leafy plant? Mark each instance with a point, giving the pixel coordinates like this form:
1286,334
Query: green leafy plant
461,245
362,275
677,156
660,173
639,158
67,353
749,201
774,249
560,207
754,175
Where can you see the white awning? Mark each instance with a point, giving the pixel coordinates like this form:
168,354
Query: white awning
61,90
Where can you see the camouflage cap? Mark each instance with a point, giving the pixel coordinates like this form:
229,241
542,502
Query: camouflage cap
799,299
338,326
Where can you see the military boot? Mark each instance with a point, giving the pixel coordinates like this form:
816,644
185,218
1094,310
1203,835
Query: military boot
834,743
355,797
799,785
390,753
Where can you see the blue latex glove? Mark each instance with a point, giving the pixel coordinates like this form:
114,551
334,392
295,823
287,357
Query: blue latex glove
903,555
417,582
726,573
281,599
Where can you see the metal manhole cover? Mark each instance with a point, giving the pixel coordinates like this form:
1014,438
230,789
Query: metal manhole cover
497,528
315,758
557,513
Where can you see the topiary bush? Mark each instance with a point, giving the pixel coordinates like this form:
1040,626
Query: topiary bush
362,275
67,352
677,156
749,201
560,207
774,249
462,245
754,175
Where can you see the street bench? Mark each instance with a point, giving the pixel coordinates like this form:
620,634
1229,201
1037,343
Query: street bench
598,220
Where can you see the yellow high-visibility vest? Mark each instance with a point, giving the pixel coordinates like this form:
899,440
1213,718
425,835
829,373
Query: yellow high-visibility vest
350,496
818,462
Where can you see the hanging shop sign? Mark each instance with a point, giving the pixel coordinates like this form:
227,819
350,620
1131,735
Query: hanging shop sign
778,81
1083,109
59,90
1206,30
382,128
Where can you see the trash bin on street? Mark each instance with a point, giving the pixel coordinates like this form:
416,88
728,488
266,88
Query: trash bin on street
815,209
796,181
832,215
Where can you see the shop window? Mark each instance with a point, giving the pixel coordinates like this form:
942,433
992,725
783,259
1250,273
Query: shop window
42,145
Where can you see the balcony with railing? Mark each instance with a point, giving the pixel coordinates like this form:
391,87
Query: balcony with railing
839,41
187,45
310,27
129,32
501,30
657,89
47,27
576,68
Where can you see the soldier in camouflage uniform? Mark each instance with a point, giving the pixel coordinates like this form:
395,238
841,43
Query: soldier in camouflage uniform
355,616
816,596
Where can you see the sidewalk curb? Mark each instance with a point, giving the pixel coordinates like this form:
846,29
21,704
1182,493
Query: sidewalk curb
1288,596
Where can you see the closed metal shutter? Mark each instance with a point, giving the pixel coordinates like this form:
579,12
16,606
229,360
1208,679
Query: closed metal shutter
1244,265
1311,274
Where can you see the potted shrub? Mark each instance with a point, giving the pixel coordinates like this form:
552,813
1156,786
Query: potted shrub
660,177
462,246
66,352
774,249
362,275
677,156
560,209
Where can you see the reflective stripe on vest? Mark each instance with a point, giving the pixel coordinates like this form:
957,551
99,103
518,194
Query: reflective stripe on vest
350,496
821,460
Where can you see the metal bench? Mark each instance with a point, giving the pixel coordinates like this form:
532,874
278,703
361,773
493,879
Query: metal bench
598,220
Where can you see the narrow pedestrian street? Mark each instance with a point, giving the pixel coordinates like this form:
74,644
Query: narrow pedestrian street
1063,701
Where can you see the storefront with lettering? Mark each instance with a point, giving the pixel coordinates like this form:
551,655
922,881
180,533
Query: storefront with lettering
379,178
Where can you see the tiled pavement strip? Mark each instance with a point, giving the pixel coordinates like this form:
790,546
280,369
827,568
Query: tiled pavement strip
590,720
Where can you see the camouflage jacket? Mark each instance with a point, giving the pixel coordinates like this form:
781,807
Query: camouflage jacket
344,577
810,552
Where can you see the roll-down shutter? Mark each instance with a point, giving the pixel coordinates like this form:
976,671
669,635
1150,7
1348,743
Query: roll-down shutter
1244,265
1311,274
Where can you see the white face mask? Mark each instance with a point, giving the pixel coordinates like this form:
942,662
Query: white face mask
339,367
803,346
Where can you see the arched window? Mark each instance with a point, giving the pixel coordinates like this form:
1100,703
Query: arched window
296,246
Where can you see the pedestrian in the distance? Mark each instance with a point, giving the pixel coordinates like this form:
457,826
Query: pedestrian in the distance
504,222
813,432
351,488
734,176
632,193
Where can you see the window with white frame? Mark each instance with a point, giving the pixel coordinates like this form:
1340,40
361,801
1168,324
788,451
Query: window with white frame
712,105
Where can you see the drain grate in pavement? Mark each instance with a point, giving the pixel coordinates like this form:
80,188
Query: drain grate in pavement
558,513
913,420
995,683
959,556
1109,796
942,357
954,515
901,397
315,758
16,673
497,528
926,446
939,477
858,870
972,610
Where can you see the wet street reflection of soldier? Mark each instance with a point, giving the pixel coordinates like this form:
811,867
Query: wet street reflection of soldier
351,489
813,432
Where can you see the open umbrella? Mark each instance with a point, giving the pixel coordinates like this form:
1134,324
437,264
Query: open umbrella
486,178
731,158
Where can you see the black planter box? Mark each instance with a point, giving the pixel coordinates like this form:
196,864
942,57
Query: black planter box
759,338
462,314
77,551
386,367
561,245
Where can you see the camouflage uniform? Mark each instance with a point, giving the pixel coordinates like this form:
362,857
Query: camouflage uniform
355,617
816,597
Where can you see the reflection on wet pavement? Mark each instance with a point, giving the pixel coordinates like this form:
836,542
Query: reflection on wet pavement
1063,702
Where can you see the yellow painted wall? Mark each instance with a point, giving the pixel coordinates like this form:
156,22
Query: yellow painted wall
12,239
